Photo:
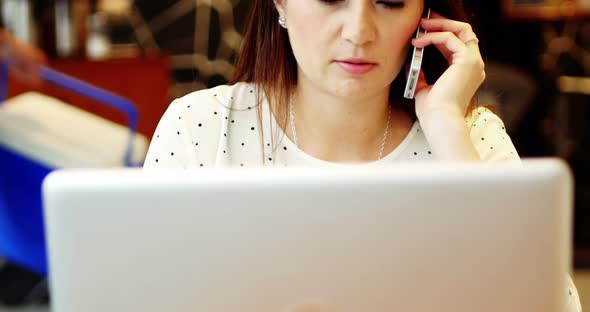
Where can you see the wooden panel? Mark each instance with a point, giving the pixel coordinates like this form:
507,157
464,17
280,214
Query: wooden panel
546,10
144,80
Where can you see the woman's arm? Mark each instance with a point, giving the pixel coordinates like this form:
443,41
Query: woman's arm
24,60
441,107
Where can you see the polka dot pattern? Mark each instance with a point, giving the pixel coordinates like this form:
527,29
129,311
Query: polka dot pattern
489,136
222,126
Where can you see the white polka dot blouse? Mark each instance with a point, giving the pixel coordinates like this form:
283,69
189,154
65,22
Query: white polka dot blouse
220,127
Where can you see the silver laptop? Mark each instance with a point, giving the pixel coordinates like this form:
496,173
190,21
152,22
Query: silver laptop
411,237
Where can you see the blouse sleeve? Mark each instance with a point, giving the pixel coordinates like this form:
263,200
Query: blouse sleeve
572,300
489,136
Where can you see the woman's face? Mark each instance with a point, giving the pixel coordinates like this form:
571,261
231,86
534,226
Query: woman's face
352,48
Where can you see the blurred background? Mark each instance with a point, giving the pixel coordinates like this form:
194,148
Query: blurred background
538,76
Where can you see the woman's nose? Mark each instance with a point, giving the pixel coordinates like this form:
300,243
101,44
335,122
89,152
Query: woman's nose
359,25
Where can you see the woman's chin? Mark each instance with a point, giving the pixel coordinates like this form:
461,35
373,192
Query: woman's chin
357,88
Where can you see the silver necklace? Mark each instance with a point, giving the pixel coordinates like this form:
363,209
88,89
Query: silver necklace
294,128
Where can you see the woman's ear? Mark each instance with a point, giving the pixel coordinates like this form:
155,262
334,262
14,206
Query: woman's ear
280,5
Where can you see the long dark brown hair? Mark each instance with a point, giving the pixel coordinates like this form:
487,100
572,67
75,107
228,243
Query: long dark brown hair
266,57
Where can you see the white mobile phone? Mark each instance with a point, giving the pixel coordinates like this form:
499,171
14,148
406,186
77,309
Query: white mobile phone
416,64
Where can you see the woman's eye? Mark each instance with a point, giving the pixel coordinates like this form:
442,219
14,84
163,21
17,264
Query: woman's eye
392,4
389,4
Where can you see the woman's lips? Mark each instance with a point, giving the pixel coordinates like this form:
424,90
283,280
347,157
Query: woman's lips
356,68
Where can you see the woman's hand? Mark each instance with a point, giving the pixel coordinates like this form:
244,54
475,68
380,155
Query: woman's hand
24,60
441,108
453,91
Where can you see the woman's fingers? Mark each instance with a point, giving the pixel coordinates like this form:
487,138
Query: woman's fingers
463,31
439,23
446,42
455,87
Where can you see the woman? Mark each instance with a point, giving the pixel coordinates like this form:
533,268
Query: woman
320,83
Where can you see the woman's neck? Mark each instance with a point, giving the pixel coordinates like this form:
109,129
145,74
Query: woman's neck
340,128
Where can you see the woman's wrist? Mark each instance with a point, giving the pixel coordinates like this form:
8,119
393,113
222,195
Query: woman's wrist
448,135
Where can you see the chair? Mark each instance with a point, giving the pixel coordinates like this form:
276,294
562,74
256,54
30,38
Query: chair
24,163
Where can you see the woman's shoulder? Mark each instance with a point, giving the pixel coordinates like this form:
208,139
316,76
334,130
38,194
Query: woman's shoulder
197,128
238,96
